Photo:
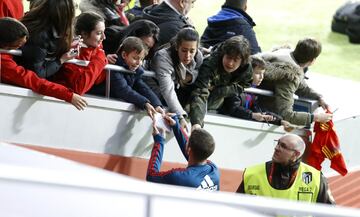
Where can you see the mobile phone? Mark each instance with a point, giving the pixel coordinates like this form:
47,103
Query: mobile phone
74,52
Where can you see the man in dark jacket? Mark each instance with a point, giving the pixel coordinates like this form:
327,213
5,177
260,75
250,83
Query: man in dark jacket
231,20
286,176
223,74
170,16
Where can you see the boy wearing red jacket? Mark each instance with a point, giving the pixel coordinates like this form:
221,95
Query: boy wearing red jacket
13,34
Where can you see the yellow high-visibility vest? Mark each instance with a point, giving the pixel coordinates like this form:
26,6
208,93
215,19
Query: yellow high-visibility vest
304,188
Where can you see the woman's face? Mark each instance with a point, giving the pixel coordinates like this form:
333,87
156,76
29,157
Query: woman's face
95,38
149,41
186,51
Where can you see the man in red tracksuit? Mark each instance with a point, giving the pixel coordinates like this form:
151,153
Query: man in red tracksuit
13,35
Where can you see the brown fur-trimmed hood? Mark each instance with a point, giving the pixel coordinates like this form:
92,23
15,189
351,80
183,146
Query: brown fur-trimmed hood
283,70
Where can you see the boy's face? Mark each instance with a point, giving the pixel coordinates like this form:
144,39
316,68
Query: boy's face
16,44
258,76
133,59
95,38
231,63
186,51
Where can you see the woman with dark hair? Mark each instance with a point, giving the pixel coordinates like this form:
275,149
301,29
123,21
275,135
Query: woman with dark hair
50,29
176,69
110,10
146,30
80,79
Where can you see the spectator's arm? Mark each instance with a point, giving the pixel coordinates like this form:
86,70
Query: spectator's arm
306,92
284,102
200,94
120,89
164,69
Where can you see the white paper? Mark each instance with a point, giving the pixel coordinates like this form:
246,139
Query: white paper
161,122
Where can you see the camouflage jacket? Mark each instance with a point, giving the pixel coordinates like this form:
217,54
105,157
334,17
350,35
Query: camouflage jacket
215,84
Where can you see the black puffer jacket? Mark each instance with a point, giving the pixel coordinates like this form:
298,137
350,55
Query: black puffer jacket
168,20
38,54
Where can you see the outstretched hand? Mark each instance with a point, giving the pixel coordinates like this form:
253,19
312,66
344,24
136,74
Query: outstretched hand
288,127
169,119
79,102
150,110
323,117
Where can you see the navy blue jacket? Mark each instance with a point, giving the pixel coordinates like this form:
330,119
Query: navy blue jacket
169,22
227,23
201,177
131,88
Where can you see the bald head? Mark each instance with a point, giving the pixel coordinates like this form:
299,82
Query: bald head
289,149
182,6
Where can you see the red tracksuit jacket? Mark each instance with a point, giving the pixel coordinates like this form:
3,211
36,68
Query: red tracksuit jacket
81,78
11,73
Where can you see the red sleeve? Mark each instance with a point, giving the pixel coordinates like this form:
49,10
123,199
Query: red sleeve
11,8
82,78
14,74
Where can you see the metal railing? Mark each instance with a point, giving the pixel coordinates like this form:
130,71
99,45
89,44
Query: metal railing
110,67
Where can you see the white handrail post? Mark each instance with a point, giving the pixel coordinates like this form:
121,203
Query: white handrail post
107,85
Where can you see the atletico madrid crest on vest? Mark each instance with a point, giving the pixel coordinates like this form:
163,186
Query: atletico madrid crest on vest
307,177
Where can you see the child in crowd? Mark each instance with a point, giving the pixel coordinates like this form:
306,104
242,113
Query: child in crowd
177,67
245,105
200,173
223,74
90,26
130,87
285,77
13,34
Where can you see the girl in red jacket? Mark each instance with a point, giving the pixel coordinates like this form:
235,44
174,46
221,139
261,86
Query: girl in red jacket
13,35
90,26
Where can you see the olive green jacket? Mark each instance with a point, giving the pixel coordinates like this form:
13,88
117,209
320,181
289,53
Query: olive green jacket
285,80
214,84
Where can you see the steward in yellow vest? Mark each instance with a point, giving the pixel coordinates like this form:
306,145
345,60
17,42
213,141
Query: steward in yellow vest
285,176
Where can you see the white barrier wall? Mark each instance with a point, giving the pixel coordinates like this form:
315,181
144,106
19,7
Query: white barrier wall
41,185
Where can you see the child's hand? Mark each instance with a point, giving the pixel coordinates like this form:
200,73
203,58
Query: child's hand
160,110
288,127
78,102
150,110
